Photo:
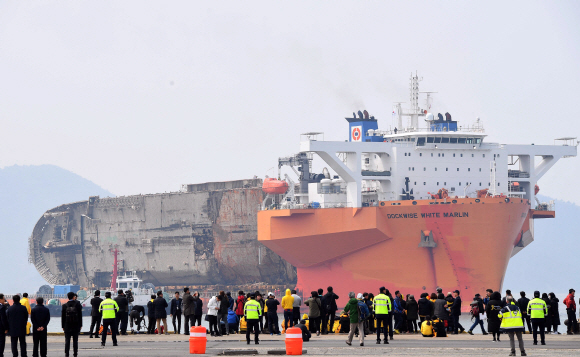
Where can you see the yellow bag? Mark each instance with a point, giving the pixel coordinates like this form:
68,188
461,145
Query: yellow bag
28,326
243,324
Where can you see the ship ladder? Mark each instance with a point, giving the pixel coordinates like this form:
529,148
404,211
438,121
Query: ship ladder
445,245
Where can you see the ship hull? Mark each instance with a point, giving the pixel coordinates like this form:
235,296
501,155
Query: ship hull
204,235
413,248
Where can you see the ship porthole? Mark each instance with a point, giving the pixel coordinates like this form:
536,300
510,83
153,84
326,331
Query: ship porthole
477,200
454,201
414,202
382,203
507,200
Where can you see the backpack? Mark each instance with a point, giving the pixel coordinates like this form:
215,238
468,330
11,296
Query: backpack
363,311
475,310
71,315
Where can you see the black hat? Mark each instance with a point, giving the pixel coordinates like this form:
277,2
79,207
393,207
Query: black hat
382,288
457,292
536,293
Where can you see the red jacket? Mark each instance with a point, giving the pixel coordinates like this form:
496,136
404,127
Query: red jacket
240,307
570,303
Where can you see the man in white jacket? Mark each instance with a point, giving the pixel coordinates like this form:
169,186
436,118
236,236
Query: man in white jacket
213,307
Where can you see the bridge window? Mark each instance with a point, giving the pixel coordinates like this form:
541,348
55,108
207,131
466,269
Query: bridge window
461,140
437,139
478,140
453,140
470,141
421,141
444,140
430,140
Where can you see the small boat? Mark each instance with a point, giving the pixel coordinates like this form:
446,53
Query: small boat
273,186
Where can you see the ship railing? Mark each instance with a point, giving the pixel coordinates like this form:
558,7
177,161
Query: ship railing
461,129
546,206
518,174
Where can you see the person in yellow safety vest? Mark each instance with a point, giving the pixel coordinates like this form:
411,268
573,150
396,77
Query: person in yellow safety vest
538,311
252,313
109,309
382,305
513,324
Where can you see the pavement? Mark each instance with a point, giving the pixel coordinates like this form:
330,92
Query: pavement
329,345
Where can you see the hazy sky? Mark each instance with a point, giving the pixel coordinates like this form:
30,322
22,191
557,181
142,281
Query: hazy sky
140,97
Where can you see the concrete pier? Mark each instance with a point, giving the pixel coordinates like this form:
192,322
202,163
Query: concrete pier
329,345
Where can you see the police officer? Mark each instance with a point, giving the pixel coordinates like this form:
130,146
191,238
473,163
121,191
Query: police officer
252,313
538,311
512,323
382,306
109,309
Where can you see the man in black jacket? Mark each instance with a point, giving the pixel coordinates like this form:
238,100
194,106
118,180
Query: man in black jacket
71,322
425,307
40,317
272,314
136,316
523,305
17,319
151,316
456,312
176,308
160,312
3,323
330,301
188,310
95,314
123,314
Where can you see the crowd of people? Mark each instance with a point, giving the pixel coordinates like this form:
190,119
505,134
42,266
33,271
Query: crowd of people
432,315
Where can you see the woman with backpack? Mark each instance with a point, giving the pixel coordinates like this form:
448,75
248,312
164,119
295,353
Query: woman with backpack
314,309
476,311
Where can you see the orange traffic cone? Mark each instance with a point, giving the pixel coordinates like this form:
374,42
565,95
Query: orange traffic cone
197,340
293,341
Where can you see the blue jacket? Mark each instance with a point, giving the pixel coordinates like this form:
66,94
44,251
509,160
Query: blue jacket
232,317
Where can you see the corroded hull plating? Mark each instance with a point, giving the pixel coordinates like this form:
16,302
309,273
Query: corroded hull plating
413,248
204,236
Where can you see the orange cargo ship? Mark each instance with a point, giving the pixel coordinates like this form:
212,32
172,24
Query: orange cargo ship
370,220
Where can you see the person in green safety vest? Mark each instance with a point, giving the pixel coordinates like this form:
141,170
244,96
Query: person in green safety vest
109,309
513,324
252,313
538,311
382,305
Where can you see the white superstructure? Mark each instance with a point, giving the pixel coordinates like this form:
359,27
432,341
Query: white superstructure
410,162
